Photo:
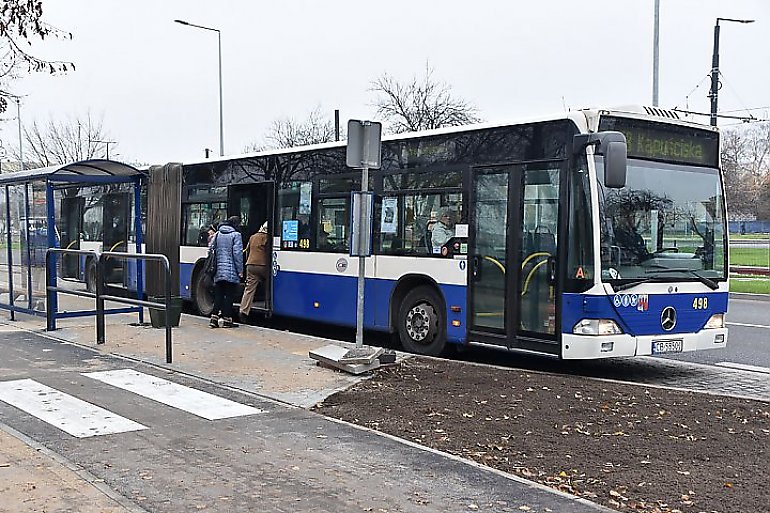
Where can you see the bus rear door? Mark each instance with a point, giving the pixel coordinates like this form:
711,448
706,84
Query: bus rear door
253,203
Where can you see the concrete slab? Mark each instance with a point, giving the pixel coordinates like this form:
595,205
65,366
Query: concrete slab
269,362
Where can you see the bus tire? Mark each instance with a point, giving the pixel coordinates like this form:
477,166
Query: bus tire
203,294
421,322
91,275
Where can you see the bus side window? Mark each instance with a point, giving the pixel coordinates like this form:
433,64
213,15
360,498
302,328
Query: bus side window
294,200
332,229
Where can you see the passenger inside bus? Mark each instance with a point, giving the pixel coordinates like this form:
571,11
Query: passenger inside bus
443,230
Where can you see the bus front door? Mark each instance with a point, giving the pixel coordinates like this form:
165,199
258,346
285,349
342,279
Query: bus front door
512,256
253,203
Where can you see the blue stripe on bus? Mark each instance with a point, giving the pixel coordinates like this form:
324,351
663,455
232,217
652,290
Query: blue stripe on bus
332,299
636,321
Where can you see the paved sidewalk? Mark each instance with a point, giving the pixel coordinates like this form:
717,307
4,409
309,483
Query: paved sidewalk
348,469
32,479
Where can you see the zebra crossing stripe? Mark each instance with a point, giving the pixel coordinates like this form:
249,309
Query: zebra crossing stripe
70,414
202,404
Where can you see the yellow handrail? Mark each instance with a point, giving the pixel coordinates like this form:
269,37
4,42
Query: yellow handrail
529,276
496,262
533,255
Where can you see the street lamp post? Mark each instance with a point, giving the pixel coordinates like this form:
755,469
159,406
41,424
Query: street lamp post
108,145
219,40
21,141
715,68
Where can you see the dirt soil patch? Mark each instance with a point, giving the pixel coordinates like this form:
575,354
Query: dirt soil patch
631,448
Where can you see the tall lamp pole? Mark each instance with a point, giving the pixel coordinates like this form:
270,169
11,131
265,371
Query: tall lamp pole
715,68
21,141
656,54
108,145
219,40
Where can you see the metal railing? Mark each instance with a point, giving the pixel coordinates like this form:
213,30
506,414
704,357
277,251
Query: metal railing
100,296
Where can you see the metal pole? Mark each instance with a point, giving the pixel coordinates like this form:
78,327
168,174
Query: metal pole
139,239
361,263
167,268
9,238
221,117
27,215
50,319
21,141
221,122
715,75
52,300
336,124
656,54
100,335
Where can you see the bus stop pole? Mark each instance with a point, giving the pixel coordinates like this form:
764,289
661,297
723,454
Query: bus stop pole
361,267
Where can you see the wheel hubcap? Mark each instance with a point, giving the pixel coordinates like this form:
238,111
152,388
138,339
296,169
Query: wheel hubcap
418,322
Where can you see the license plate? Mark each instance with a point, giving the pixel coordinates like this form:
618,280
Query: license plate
666,346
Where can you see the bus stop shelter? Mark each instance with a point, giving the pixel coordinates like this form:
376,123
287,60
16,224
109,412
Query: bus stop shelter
45,208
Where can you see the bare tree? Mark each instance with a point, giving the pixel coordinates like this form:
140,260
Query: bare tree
746,168
421,104
290,133
60,142
21,21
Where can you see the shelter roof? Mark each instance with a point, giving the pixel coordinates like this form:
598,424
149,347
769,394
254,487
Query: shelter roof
85,171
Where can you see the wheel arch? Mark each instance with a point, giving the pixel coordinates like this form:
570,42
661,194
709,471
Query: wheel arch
403,286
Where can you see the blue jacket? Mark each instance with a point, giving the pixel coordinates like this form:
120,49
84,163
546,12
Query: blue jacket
229,247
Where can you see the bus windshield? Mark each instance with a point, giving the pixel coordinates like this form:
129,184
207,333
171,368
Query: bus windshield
666,224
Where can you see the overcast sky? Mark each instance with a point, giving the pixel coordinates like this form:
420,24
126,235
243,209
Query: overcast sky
155,82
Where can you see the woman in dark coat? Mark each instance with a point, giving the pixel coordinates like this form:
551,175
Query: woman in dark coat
228,245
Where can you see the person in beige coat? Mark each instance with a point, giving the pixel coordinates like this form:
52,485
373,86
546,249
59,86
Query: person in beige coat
256,267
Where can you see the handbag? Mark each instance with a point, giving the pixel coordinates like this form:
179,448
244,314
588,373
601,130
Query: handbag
210,264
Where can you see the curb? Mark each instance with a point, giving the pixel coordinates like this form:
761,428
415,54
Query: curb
749,296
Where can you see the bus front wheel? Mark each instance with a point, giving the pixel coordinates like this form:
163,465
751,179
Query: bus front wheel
203,294
421,324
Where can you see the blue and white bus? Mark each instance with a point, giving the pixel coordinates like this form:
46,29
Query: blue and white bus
598,233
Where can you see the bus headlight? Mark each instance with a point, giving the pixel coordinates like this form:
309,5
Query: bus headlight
715,321
596,327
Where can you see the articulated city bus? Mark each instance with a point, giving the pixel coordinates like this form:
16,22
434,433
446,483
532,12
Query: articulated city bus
599,233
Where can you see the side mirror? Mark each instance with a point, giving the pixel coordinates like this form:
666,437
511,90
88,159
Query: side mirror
613,146
615,164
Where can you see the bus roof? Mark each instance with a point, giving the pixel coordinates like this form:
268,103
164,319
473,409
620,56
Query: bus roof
585,119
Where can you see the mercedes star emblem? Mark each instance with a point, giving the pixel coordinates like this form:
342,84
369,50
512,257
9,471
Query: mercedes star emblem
668,318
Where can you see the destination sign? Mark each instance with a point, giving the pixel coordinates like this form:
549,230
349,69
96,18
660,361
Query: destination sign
659,141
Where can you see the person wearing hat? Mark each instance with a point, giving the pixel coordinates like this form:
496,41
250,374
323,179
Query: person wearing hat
228,248
256,267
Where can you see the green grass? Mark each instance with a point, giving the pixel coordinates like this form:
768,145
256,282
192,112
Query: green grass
751,285
749,236
750,256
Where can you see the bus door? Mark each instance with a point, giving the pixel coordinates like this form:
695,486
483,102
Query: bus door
513,254
70,230
253,203
116,221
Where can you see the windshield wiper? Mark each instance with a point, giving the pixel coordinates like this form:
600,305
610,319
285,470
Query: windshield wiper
706,281
634,283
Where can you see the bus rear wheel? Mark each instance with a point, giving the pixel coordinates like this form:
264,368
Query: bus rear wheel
421,324
203,294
